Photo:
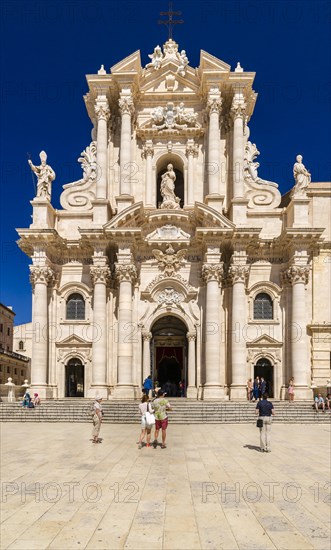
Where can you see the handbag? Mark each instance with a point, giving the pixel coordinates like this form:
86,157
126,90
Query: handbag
150,418
259,423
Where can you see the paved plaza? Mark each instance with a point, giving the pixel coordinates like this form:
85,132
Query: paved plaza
210,489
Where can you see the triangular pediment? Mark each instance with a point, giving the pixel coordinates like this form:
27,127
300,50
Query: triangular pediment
168,80
264,341
210,63
130,64
73,340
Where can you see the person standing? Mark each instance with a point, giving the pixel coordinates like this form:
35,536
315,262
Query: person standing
265,410
97,419
148,385
290,390
249,387
145,406
263,387
161,406
256,388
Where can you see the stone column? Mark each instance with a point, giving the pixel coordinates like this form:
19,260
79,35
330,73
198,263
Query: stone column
191,152
238,111
212,274
147,336
238,273
126,275
191,379
40,277
103,114
100,276
147,153
126,108
214,105
298,276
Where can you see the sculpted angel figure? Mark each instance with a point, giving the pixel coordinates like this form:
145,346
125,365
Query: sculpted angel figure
183,63
156,58
168,189
169,261
45,175
302,177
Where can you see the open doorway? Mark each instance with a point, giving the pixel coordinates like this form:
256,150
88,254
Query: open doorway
74,382
264,368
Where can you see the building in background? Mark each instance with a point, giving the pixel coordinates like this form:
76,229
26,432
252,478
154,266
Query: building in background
172,256
15,365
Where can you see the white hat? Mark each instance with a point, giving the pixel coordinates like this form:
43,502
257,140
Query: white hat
98,397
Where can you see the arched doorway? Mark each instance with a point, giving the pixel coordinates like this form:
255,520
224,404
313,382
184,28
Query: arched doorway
74,378
169,354
264,368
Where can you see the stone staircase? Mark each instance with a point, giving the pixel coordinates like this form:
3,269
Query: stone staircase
184,412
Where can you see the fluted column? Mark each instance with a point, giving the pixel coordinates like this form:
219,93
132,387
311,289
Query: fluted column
126,109
191,391
147,336
147,153
126,275
214,105
212,274
238,274
103,114
298,277
238,111
192,153
100,276
40,277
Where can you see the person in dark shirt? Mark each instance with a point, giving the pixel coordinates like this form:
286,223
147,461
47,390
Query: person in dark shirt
265,410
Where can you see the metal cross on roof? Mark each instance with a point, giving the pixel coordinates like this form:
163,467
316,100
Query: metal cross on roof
170,23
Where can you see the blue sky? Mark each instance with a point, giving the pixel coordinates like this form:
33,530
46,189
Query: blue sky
48,47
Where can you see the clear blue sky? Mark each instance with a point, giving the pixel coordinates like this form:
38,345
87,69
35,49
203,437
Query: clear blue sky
48,47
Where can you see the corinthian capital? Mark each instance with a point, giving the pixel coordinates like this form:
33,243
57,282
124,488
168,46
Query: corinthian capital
296,274
100,274
238,273
214,105
126,105
147,336
148,149
126,272
102,112
212,272
191,336
41,274
238,109
191,148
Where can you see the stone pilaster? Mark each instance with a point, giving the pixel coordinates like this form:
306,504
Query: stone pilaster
40,276
214,106
126,107
239,204
191,153
238,273
298,278
100,276
147,336
212,275
126,275
147,153
103,113
191,391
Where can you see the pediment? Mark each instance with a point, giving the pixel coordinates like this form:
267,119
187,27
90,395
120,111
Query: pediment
264,341
168,233
128,218
74,341
167,80
130,64
209,63
210,218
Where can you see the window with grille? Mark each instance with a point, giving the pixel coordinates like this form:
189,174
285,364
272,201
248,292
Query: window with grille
263,306
75,307
21,344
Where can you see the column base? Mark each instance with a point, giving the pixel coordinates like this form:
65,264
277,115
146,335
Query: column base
95,390
123,202
303,393
238,392
191,392
123,392
213,392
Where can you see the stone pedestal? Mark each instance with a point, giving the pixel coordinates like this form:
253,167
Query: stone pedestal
215,201
239,211
101,211
297,212
43,214
123,202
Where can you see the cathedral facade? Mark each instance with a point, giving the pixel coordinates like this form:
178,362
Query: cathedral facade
171,256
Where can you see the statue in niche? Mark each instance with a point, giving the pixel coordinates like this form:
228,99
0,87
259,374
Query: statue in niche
156,58
168,189
302,178
45,175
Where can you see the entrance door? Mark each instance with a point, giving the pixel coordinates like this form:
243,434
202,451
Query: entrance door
74,378
264,368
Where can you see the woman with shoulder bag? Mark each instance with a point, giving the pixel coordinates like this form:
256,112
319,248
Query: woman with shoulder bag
146,410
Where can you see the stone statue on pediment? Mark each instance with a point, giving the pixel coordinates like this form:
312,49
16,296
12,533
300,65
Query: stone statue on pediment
156,59
45,175
302,178
183,63
168,189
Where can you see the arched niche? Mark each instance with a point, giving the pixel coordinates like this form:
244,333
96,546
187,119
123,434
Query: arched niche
161,168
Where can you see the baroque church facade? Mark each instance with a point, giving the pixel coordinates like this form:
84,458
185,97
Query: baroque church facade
171,256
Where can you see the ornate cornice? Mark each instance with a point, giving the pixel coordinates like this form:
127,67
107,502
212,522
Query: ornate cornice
238,273
126,105
126,272
41,274
100,274
296,274
102,112
212,272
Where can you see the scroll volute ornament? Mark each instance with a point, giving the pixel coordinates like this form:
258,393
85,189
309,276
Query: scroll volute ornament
238,273
41,274
100,274
297,274
212,272
126,272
